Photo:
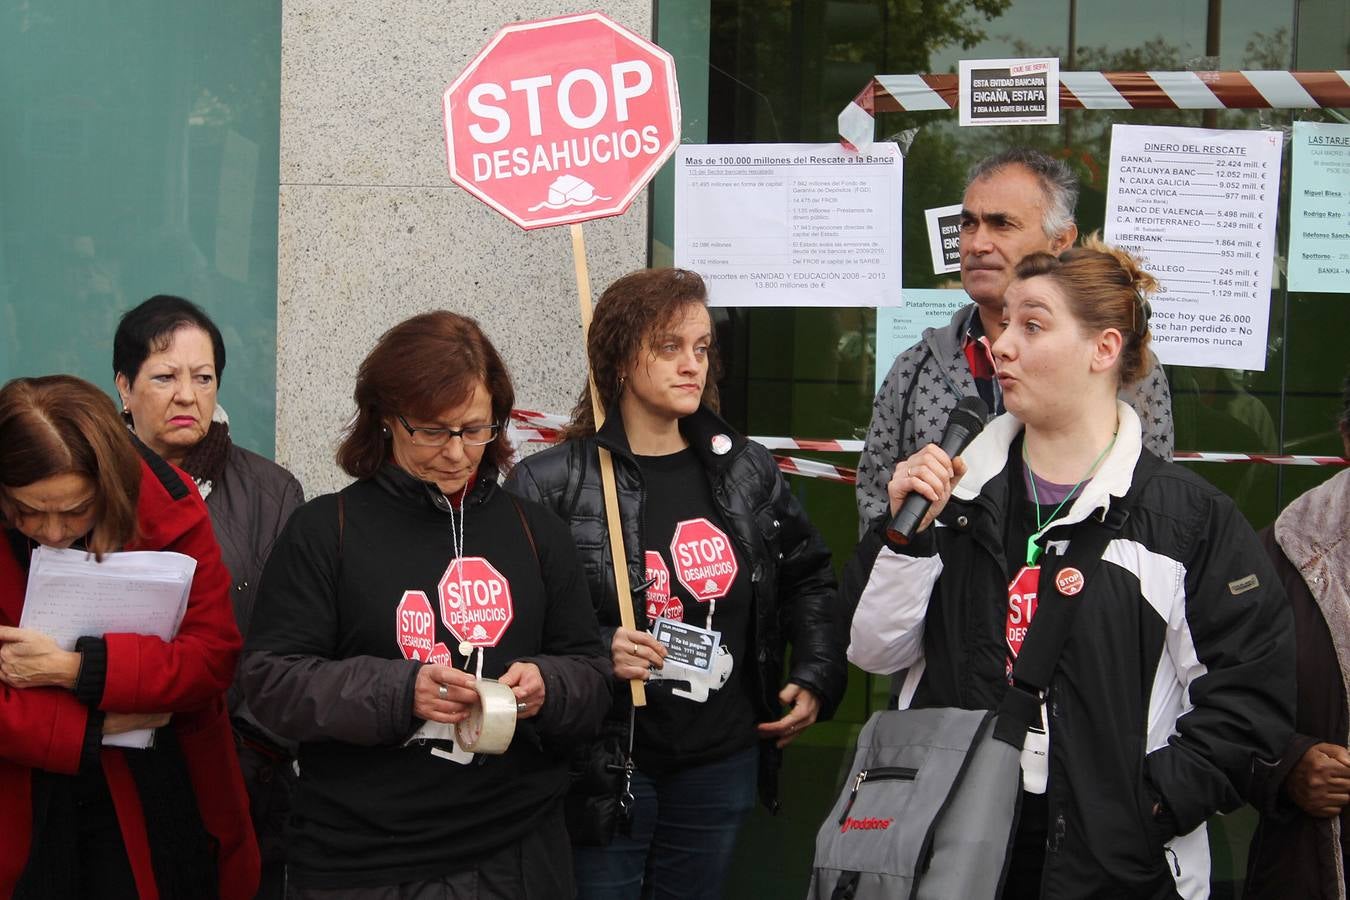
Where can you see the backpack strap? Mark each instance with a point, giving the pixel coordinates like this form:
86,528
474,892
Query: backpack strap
342,521
846,888
1049,630
529,534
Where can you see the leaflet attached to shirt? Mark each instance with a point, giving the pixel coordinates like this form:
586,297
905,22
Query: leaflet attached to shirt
70,596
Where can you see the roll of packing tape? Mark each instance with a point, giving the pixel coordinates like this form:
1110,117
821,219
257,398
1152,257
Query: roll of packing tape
492,722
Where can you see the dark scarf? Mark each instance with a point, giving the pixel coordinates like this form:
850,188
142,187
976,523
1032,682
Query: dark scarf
206,460
182,852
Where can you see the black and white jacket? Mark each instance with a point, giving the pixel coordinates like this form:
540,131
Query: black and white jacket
1174,686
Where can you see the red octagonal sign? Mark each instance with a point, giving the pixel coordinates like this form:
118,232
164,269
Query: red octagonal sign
562,120
416,626
705,562
475,601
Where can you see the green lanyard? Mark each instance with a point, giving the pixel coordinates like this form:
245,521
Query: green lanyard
1033,549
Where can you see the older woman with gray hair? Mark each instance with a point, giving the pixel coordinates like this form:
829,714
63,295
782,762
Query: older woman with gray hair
168,359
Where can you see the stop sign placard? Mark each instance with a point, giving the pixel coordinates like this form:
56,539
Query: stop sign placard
705,562
660,604
416,625
440,655
475,601
561,120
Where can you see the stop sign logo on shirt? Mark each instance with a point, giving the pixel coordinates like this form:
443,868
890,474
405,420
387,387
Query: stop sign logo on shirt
705,562
660,604
416,625
440,655
475,601
1021,608
561,120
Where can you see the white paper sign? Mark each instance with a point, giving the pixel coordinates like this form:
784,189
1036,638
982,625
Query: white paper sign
1009,91
1319,208
944,238
900,327
1198,206
790,224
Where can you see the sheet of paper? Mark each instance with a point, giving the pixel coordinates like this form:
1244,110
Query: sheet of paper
944,238
1009,91
1319,208
790,224
1198,206
900,327
70,595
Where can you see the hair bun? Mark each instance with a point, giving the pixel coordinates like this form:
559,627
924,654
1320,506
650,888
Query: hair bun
1142,281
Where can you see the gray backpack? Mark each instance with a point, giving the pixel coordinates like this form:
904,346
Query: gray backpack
942,768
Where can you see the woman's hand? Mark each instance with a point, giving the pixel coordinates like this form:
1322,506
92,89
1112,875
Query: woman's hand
121,723
634,652
1320,782
931,473
803,705
527,683
31,659
443,694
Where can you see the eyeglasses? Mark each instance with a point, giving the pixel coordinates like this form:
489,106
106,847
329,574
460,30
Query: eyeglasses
471,435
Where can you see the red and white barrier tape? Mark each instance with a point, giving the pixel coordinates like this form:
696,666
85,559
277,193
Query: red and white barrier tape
814,468
782,443
538,419
1109,90
1274,459
544,428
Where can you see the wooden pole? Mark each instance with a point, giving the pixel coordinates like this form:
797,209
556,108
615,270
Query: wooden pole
614,524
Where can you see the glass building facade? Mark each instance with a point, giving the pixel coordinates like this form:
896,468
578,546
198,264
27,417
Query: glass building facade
138,156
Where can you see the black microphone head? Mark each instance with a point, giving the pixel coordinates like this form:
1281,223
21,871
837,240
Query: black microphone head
971,413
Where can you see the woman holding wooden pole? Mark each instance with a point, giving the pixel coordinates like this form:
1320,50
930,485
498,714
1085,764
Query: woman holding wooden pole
713,539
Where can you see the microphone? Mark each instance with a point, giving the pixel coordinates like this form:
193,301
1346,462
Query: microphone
965,422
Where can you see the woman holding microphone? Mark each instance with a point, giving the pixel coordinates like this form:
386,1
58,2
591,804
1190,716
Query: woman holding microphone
1176,681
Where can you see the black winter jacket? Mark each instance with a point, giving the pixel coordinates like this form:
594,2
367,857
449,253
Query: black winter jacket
792,581
1176,683
323,666
249,505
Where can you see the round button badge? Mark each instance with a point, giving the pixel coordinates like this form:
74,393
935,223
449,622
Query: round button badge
1069,581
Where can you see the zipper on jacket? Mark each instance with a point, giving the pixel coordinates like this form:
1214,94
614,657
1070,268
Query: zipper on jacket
1057,839
880,773
1176,862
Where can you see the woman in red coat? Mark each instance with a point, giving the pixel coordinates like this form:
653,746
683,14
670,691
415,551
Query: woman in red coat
79,819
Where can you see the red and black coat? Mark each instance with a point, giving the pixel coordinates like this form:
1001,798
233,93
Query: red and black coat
47,728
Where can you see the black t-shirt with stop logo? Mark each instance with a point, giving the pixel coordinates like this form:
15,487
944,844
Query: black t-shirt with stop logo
698,568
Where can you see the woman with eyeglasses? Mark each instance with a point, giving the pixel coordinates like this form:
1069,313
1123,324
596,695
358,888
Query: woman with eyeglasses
381,608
